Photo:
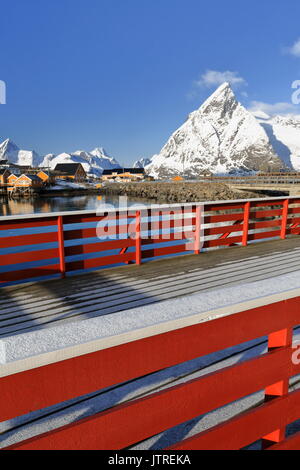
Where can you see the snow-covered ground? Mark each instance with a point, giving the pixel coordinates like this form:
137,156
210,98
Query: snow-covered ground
62,184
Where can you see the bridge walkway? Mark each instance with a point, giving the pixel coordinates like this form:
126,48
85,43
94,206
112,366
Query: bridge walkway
46,304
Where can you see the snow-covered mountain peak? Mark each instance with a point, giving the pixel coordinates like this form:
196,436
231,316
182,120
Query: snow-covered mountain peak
142,162
221,137
93,162
100,152
8,149
222,98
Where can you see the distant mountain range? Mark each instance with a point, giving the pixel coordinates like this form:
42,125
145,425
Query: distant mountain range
221,137
93,162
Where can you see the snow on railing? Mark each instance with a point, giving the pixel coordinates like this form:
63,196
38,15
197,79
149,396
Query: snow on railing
135,420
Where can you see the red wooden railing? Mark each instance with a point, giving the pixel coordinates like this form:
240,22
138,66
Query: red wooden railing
124,425
177,228
234,222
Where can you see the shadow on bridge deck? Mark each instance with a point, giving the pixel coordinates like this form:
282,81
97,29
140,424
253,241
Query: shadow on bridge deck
46,304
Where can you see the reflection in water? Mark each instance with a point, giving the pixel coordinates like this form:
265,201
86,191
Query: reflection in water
61,204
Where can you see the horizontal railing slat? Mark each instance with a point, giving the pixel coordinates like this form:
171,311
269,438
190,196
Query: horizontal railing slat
98,247
30,273
143,418
222,242
248,427
264,235
168,250
17,225
54,383
226,205
265,213
27,240
28,256
97,262
82,219
168,238
223,229
213,219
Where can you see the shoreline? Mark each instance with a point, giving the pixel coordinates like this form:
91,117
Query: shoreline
160,192
69,192
176,192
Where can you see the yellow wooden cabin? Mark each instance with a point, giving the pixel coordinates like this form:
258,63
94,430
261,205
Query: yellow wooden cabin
46,176
28,181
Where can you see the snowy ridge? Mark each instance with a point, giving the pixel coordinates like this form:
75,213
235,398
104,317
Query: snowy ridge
93,162
221,137
142,163
284,135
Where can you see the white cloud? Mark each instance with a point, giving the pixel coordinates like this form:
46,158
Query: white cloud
271,109
213,78
294,49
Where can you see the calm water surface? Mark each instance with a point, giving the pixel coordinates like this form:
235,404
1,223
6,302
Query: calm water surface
61,204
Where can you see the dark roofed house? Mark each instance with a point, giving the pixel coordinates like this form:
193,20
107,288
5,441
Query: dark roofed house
74,171
123,174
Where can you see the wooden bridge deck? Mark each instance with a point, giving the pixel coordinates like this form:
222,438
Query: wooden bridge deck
46,304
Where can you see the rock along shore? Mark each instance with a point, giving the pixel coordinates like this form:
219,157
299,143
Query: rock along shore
173,192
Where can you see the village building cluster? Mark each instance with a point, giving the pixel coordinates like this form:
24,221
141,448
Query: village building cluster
124,174
16,179
21,180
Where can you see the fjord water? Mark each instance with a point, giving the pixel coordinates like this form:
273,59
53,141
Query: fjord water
61,204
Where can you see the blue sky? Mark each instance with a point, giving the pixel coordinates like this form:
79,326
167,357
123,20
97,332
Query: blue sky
124,74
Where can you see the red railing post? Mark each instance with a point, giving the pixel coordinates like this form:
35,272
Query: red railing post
197,230
285,212
246,223
138,240
61,246
278,339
